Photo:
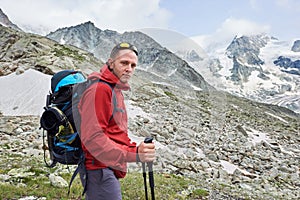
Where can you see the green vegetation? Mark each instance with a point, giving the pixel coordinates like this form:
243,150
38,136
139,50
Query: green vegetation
166,187
62,50
171,95
38,185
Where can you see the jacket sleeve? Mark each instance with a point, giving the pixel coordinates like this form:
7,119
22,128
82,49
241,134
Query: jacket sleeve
96,110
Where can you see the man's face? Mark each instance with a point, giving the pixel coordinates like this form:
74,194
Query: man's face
124,64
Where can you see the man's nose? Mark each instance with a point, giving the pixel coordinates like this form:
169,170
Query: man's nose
129,68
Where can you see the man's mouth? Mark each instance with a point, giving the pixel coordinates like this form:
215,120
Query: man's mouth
126,76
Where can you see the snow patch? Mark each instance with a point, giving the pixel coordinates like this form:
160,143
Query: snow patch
172,72
230,168
196,88
257,137
277,117
134,111
62,41
24,94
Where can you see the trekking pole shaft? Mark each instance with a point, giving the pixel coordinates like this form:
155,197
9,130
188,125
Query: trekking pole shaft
145,181
147,140
150,171
151,180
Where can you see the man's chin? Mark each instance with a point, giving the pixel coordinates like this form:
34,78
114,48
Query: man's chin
124,80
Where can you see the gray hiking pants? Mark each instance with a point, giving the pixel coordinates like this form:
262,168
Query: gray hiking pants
101,185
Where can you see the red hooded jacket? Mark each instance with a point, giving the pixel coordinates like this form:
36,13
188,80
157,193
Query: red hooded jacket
105,142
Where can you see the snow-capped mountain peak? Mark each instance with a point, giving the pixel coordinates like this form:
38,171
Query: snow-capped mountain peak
258,67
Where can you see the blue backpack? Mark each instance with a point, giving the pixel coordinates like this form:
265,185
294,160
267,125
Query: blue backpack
61,118
63,139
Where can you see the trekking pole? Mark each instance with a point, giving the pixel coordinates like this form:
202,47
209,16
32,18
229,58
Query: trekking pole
150,172
151,179
145,180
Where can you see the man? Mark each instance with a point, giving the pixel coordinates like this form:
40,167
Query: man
106,145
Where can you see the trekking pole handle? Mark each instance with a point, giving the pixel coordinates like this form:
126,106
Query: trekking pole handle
148,140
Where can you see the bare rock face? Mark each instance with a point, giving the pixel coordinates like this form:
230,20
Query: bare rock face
4,20
244,51
296,46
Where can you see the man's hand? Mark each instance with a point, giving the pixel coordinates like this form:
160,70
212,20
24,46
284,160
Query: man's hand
146,152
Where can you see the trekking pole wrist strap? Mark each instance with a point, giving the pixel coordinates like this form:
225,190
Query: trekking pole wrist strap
137,155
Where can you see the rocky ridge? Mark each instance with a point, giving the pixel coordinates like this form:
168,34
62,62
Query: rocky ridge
157,61
20,51
244,52
4,20
296,46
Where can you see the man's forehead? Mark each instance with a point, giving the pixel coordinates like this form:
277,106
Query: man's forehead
126,54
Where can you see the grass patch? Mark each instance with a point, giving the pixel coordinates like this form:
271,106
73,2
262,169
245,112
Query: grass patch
166,187
171,95
65,51
39,186
200,193
36,183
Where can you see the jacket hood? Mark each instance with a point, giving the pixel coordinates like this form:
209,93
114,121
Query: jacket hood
106,75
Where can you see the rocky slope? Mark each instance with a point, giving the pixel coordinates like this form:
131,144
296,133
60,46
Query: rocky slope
20,51
230,145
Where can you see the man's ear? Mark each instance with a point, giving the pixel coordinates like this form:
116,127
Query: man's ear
109,63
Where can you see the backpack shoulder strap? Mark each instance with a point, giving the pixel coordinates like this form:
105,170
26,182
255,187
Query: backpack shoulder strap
115,103
81,166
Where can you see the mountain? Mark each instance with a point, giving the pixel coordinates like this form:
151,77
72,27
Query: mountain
258,67
6,22
250,66
296,46
158,63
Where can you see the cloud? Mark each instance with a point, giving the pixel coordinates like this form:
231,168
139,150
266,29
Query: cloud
291,5
230,28
254,4
106,14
